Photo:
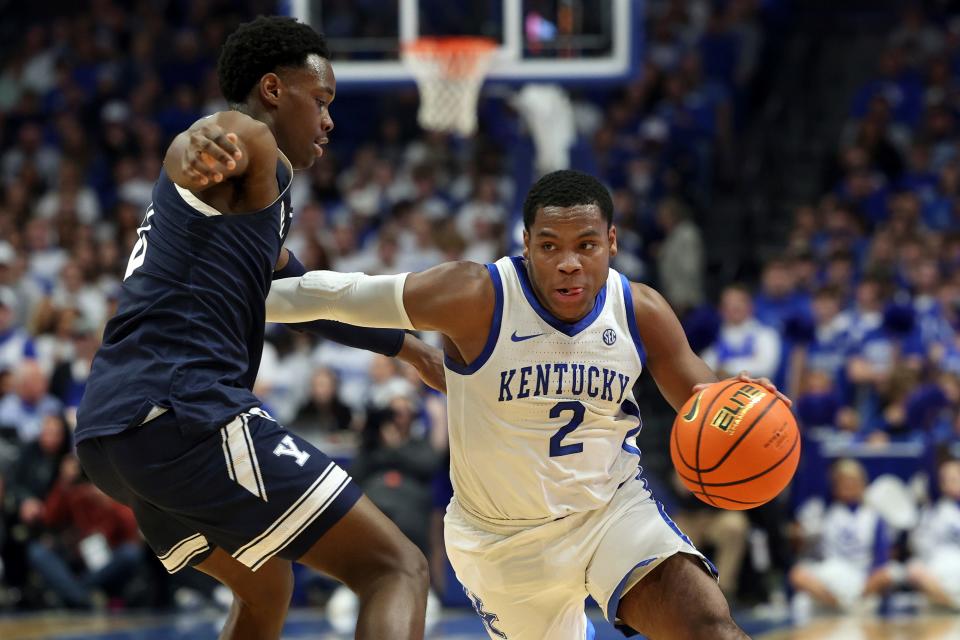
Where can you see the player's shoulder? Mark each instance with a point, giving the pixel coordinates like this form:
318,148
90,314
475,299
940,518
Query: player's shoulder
647,301
459,281
463,272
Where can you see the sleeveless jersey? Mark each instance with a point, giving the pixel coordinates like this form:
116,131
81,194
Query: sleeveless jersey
939,529
543,423
188,332
854,534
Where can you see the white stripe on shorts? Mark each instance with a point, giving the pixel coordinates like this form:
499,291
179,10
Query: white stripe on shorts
181,553
295,519
241,458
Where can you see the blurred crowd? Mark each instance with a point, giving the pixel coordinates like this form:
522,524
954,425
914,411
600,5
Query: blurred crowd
856,318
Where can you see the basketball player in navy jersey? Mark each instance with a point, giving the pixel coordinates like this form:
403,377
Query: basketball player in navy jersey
549,505
169,425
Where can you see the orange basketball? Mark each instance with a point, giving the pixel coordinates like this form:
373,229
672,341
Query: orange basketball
735,445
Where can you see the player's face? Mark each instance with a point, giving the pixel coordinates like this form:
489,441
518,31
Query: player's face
303,118
568,252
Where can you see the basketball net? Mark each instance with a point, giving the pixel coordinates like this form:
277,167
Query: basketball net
449,73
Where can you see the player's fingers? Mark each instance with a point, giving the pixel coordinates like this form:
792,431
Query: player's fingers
228,142
767,384
235,140
214,151
196,176
206,164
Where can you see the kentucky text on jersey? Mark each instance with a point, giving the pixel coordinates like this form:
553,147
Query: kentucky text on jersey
564,380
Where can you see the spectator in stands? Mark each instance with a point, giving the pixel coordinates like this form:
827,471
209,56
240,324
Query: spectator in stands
23,410
725,531
386,383
323,411
16,345
680,257
744,344
818,404
779,299
866,314
935,569
29,480
852,550
97,544
830,342
396,468
69,378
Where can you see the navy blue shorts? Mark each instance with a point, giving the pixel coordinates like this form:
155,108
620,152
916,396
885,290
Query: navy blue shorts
252,488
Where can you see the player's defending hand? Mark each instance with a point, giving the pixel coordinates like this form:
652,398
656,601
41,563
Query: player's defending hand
743,376
209,156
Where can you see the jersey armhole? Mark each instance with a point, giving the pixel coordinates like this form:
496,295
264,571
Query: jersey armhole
479,361
632,319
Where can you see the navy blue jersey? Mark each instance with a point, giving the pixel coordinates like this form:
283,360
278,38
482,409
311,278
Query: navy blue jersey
188,333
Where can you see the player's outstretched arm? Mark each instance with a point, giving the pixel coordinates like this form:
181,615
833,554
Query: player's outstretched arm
455,298
216,148
674,365
427,360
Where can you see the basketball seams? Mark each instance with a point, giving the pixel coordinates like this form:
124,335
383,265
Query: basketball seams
796,441
743,435
676,437
703,420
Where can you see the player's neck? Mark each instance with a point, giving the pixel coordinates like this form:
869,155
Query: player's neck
256,112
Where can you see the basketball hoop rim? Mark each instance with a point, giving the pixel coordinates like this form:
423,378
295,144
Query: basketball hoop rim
435,46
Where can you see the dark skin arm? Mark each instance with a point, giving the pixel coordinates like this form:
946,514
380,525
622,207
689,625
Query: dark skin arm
673,364
228,160
456,299
677,370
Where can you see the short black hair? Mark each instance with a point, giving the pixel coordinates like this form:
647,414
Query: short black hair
566,188
263,45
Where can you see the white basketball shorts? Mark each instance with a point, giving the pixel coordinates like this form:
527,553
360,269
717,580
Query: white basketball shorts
531,584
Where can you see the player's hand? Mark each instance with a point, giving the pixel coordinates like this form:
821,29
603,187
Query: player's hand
743,376
427,360
210,155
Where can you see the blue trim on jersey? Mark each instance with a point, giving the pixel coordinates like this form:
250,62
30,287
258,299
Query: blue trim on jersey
591,630
631,410
558,324
632,319
614,602
473,367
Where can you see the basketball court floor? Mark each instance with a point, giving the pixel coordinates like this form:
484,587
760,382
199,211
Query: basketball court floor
458,625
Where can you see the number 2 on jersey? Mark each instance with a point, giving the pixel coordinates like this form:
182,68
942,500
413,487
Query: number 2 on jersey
556,448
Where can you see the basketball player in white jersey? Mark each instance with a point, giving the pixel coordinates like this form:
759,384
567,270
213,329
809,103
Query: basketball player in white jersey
543,352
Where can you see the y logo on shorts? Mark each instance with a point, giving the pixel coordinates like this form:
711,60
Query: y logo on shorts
288,447
487,617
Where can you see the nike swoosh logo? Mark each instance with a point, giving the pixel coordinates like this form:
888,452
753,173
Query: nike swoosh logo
694,410
517,338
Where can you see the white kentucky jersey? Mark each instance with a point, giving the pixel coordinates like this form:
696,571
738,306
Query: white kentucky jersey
939,529
855,534
543,423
